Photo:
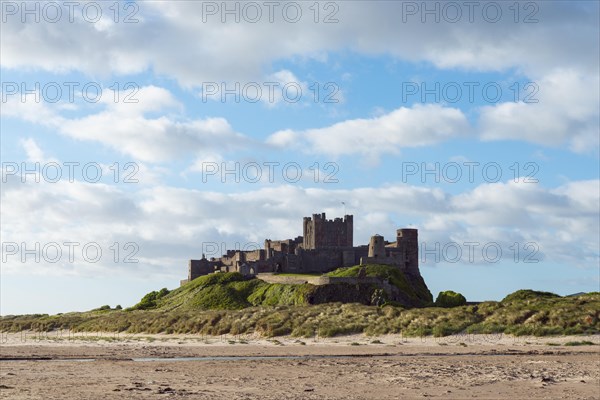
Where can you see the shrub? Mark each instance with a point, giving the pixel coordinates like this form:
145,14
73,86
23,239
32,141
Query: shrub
149,300
449,299
580,343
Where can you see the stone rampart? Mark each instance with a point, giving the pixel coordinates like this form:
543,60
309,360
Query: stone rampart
317,280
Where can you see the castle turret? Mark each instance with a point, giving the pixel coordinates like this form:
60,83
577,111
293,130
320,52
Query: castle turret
376,247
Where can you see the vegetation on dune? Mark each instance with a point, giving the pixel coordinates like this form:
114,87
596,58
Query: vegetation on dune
229,303
580,343
528,294
528,312
530,315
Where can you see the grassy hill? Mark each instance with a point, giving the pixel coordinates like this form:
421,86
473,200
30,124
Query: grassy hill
230,304
232,291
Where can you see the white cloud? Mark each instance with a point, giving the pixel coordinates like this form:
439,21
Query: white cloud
286,79
129,129
564,65
566,113
563,36
420,125
281,87
33,151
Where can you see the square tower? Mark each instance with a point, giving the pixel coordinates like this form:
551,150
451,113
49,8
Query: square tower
319,232
407,240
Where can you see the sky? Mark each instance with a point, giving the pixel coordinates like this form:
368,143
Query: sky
136,136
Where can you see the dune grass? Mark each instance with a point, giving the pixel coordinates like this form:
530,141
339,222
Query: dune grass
229,303
521,313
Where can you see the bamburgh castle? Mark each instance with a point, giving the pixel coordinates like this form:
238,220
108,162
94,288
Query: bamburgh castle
324,246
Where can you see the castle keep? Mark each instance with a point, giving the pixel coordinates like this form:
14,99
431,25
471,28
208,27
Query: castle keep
324,246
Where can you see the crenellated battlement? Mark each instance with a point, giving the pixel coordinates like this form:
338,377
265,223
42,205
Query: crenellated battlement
320,232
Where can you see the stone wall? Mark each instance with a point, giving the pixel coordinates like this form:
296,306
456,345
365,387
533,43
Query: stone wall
317,280
283,246
290,280
255,255
320,260
198,268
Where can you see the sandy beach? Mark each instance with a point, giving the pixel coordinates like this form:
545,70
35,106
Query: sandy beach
109,366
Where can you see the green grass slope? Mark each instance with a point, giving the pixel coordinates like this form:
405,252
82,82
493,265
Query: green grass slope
228,291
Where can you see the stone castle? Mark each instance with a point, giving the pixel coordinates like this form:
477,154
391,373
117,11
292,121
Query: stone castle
324,246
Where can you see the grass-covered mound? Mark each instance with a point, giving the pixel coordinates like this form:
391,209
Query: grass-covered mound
450,298
412,290
224,291
227,291
233,291
528,294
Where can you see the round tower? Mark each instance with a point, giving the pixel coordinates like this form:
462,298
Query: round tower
377,247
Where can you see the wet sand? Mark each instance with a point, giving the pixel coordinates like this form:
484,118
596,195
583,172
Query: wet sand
352,367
